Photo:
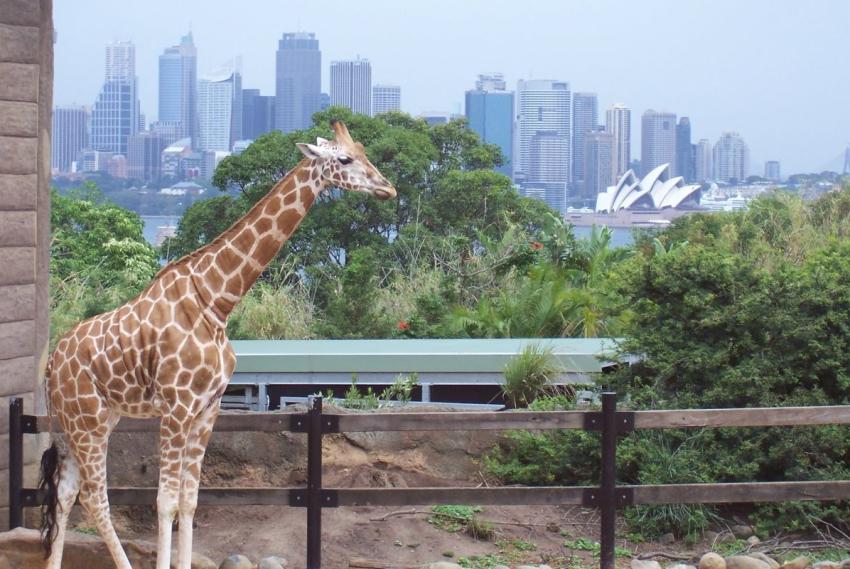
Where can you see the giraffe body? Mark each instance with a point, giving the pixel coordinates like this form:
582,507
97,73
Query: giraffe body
165,354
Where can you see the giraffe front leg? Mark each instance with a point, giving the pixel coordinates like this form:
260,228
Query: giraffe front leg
172,440
196,447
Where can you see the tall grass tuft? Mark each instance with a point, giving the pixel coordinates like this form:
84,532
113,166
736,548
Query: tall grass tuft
529,375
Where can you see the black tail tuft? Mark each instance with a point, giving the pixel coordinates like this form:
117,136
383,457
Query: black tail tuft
47,487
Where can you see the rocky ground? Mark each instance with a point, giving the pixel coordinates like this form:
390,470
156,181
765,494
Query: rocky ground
262,537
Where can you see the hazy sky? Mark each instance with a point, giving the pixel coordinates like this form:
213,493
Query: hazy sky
777,71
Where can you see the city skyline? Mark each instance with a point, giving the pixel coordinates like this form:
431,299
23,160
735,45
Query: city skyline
742,69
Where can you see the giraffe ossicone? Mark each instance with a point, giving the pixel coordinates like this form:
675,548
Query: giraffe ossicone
165,354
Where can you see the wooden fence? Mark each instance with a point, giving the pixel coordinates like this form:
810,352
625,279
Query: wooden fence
607,497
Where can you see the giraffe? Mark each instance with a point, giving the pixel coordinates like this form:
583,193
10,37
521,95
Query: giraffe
165,354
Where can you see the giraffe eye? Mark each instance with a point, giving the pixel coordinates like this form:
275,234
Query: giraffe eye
343,159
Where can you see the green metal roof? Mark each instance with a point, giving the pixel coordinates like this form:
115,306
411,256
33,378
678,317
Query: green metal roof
577,355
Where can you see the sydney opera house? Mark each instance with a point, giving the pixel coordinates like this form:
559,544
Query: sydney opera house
656,191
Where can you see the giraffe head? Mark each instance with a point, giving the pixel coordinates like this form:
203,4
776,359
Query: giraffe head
342,163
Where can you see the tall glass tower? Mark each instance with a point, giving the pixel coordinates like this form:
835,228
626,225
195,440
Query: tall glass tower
220,108
585,120
490,113
543,156
351,85
658,140
178,86
115,115
618,122
298,81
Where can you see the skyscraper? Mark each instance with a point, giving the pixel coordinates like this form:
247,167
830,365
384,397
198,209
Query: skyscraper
257,114
385,98
351,85
298,82
143,156
178,86
731,158
220,109
771,170
585,119
684,150
598,149
543,142
490,113
70,136
115,115
658,140
703,161
618,123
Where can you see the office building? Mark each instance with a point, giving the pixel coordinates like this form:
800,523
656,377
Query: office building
658,140
385,99
178,86
115,115
144,156
70,136
731,158
684,150
585,120
351,85
597,168
618,123
490,113
220,109
168,131
543,156
117,166
771,170
703,161
257,114
298,85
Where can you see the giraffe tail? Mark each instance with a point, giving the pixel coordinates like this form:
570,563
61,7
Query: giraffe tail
48,487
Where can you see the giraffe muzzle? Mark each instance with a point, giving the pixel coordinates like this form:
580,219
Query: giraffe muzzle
385,193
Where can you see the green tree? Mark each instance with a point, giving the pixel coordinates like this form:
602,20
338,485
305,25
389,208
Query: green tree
99,257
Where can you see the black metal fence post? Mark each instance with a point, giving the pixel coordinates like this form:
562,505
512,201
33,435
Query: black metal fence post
314,483
607,490
16,463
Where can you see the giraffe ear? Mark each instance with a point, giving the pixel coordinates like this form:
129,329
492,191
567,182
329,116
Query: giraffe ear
309,150
321,141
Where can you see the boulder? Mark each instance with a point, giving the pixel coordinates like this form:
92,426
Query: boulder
826,565
773,563
273,562
712,561
745,562
753,540
680,566
444,565
236,561
797,563
21,549
645,564
742,531
667,539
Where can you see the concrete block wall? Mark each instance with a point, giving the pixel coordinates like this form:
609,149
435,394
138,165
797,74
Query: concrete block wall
26,101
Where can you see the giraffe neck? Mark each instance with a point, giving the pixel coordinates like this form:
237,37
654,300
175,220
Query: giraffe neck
225,269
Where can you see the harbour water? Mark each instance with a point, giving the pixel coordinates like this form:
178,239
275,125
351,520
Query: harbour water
158,225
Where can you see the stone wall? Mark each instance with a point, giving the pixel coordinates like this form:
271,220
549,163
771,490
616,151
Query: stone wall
26,101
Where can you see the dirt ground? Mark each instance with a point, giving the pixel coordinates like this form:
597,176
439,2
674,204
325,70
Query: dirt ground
394,535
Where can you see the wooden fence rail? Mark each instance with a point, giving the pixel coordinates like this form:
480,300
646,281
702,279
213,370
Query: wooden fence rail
607,497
